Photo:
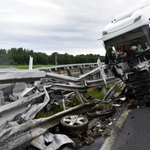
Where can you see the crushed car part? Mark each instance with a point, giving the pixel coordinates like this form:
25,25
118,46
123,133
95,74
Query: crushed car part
74,124
51,141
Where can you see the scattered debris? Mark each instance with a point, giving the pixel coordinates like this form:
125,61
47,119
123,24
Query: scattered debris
102,112
132,104
122,98
116,105
29,99
51,141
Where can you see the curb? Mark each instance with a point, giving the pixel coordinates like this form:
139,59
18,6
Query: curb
113,135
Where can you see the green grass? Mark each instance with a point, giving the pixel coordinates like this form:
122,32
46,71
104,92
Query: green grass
95,93
118,90
99,94
43,114
23,66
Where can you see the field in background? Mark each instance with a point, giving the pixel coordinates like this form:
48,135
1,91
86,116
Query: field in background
23,66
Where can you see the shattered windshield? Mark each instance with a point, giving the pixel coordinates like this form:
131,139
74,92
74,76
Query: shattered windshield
128,44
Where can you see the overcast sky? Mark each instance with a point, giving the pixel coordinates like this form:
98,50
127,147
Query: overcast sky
63,26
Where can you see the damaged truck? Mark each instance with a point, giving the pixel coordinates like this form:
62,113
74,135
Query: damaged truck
127,42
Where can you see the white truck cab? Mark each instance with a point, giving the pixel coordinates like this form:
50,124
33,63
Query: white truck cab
127,42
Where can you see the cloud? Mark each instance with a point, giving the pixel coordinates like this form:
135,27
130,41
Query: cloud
63,26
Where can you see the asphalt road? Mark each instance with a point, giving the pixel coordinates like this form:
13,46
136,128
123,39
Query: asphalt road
135,133
94,146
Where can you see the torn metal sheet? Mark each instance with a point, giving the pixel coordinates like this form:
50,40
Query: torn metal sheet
51,141
11,111
26,91
31,113
20,90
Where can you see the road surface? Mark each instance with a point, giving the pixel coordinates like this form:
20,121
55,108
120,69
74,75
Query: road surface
135,133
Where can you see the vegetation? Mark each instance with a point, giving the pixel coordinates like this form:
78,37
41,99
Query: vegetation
23,66
97,94
53,111
20,56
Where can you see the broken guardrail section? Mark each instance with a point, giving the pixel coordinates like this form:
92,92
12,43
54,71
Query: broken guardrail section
36,95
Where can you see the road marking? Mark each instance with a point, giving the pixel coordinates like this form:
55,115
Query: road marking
113,135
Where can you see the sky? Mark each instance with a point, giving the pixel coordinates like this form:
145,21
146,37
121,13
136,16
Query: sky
63,26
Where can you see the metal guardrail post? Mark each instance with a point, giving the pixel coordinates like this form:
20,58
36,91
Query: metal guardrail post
63,104
90,67
30,63
81,70
68,72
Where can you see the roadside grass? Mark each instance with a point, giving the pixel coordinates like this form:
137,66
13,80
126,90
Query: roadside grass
98,94
23,66
95,93
43,113
118,90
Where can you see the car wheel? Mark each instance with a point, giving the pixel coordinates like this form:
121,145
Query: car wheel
74,124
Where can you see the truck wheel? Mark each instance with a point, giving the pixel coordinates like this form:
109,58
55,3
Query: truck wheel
74,124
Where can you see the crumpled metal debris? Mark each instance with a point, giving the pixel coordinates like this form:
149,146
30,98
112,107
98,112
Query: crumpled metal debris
102,112
31,113
51,141
15,109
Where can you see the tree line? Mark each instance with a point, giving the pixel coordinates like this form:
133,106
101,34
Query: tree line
20,56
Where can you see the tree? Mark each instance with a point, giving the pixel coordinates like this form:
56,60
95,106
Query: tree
20,56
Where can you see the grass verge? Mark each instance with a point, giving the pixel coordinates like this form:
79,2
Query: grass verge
23,66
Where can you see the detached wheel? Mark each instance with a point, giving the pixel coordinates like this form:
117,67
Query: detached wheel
74,124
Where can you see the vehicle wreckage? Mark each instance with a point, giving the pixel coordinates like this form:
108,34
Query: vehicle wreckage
25,93
127,42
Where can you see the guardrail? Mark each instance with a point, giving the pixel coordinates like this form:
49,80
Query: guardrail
25,105
69,67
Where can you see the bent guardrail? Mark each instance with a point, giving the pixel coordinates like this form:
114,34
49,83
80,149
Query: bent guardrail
26,104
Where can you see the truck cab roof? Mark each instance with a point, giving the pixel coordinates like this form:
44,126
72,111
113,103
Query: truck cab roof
127,21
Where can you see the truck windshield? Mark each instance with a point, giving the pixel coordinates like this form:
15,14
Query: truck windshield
128,44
